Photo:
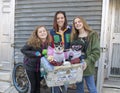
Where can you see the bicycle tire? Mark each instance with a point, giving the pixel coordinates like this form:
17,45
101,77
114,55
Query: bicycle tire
20,80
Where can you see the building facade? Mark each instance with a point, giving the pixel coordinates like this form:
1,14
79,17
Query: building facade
20,17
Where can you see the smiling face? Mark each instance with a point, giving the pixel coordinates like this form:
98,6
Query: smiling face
42,33
60,20
78,24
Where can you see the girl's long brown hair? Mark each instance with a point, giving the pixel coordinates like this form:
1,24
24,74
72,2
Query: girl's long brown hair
35,41
75,32
55,25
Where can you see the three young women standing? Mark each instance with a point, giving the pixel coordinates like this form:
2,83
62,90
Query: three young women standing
61,32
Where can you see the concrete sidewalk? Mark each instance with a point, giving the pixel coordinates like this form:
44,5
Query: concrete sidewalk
6,87
10,89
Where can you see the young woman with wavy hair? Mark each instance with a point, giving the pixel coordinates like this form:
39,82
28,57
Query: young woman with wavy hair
32,50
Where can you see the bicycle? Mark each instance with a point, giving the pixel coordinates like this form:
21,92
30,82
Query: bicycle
19,76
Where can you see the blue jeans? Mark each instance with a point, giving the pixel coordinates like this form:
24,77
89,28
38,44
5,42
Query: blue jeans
90,85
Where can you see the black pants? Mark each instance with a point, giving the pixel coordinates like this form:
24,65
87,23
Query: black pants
34,78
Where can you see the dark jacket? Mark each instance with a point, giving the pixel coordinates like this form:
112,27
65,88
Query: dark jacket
56,37
31,61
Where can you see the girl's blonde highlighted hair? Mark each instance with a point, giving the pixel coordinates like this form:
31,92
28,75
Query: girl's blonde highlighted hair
75,32
35,41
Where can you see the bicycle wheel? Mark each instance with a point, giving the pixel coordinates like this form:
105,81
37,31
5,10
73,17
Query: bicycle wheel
20,80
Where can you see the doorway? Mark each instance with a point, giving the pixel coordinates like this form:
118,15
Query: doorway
114,42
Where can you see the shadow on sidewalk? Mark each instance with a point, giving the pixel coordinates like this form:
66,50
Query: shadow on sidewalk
47,90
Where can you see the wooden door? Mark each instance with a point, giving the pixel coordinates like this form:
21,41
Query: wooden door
6,34
114,48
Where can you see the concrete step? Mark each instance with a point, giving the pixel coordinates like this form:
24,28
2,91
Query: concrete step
4,86
5,65
112,83
11,90
111,90
5,76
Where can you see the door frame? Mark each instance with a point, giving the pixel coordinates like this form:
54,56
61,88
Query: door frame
112,17
112,35
8,8
103,45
